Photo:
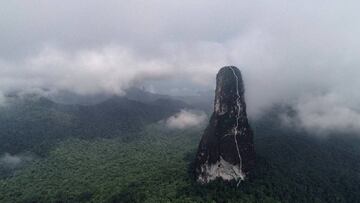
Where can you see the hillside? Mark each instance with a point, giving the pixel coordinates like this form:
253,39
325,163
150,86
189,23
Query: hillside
35,123
155,164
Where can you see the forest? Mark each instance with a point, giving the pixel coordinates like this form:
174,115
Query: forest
154,164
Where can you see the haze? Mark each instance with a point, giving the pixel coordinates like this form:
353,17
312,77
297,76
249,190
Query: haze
303,53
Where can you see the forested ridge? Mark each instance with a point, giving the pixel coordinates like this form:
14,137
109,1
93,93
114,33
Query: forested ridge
155,165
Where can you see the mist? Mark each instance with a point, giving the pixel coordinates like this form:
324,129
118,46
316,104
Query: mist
13,161
297,52
186,119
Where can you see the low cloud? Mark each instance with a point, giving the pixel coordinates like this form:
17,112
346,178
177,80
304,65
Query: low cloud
324,114
285,50
2,99
13,161
109,69
186,119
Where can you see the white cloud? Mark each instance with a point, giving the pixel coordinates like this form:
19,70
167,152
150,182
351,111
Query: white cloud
13,161
110,69
185,119
325,114
285,49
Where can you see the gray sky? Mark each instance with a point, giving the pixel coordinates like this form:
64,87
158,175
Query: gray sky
302,52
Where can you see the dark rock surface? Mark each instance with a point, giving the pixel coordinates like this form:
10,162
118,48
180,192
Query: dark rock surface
226,149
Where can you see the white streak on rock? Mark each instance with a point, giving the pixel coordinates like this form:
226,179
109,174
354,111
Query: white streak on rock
237,118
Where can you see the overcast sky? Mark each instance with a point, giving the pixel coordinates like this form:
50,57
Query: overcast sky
302,52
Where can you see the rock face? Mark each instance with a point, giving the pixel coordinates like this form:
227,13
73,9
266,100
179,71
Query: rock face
226,149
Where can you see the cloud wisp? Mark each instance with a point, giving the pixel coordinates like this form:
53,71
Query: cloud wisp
13,161
186,119
324,114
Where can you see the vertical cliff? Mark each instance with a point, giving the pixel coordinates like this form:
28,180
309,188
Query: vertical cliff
226,149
